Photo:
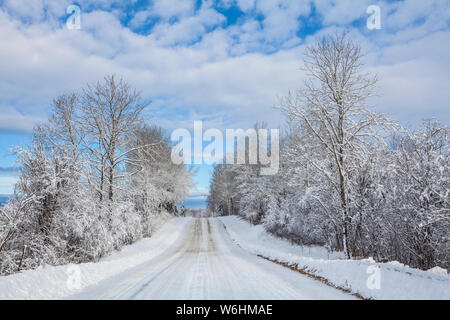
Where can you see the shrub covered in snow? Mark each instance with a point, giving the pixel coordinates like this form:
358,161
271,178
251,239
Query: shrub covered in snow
349,178
87,185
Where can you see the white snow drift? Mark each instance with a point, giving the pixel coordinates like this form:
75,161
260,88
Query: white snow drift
56,282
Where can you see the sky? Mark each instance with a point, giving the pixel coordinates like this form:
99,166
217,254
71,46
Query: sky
225,62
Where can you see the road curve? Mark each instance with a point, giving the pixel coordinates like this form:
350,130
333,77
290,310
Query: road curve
209,265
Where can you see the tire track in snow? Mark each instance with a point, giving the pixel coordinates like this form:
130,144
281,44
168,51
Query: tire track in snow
207,264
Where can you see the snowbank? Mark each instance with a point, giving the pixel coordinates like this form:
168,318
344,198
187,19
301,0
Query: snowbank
390,280
55,282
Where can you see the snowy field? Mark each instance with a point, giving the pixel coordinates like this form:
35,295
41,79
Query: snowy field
396,281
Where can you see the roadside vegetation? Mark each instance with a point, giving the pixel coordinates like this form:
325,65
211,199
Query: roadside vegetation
95,177
350,179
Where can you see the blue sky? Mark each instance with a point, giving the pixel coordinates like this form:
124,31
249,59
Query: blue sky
224,62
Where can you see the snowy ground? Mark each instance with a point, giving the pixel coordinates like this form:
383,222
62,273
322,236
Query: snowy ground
216,258
62,281
386,280
186,259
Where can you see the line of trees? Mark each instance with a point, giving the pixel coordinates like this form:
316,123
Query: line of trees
94,178
349,179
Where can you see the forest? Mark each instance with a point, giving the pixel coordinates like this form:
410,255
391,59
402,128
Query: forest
350,179
94,178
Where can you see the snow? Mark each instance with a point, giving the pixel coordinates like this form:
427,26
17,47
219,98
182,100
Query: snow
55,282
208,265
186,259
397,281
396,263
216,258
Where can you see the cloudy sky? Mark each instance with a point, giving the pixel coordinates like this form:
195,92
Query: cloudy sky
224,62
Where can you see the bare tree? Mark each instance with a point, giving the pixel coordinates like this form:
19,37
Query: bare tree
62,131
332,110
109,110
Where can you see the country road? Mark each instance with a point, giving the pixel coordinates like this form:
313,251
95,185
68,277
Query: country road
207,264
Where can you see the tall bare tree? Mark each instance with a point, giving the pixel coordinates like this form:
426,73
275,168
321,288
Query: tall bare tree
332,109
109,110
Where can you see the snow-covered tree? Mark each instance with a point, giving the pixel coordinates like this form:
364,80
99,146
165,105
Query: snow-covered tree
110,109
81,176
158,184
340,183
423,185
332,107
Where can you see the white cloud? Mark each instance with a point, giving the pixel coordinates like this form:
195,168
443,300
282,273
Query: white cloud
187,30
164,10
173,8
246,5
220,72
341,12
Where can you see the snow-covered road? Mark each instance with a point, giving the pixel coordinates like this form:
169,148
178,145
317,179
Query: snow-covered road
207,264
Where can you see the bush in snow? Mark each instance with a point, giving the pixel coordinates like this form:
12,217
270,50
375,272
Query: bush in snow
85,188
342,182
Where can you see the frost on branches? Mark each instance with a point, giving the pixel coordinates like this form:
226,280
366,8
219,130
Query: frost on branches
94,178
350,179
